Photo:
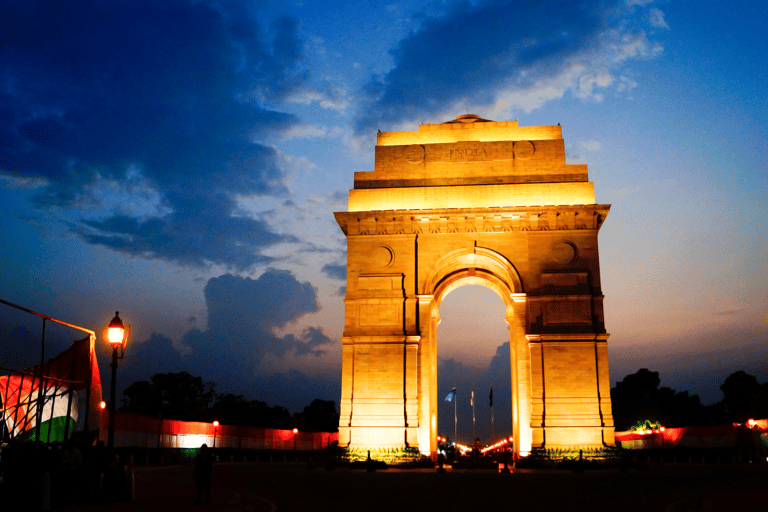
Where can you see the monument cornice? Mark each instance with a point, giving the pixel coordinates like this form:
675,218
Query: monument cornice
473,220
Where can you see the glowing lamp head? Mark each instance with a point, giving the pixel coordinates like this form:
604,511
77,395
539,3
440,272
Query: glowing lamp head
102,404
215,423
115,331
295,431
750,422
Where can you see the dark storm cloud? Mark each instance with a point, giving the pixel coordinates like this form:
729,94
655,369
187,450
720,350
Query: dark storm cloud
196,235
170,90
335,271
479,49
243,316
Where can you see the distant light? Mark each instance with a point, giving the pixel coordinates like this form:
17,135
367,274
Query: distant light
750,422
103,404
215,423
295,431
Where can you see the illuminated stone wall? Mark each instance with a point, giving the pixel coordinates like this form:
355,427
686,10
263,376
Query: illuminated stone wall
472,201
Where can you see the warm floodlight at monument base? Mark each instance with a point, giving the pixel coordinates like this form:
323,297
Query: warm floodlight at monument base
473,201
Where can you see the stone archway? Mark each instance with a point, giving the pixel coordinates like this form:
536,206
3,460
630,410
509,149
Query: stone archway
491,203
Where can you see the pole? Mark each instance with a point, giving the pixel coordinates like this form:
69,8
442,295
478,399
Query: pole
455,425
473,420
39,410
493,431
111,431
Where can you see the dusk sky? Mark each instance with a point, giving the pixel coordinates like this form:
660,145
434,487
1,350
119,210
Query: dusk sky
180,161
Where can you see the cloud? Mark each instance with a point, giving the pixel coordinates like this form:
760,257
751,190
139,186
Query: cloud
95,94
624,191
335,271
591,145
243,317
501,55
656,18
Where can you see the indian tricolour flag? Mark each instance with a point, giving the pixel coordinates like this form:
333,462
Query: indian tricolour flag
50,395
23,406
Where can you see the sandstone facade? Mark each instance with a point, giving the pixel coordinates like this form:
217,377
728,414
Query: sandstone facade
473,201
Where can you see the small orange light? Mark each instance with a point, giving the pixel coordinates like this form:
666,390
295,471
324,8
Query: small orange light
662,429
751,422
215,423
295,431
103,404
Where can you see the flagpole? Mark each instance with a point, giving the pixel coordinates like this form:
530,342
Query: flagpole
455,425
473,419
493,430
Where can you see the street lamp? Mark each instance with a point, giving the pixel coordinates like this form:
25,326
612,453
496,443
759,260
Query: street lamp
116,335
295,454
215,426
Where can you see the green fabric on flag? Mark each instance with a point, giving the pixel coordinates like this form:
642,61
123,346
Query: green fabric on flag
53,430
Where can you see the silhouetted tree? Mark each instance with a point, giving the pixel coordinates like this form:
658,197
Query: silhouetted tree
743,396
638,398
236,410
319,416
178,396
141,397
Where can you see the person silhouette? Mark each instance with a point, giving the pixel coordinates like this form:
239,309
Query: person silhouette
203,473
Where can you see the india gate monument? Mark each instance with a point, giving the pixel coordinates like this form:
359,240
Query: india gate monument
473,201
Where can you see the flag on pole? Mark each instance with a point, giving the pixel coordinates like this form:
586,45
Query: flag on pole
490,397
450,396
73,370
472,398
21,396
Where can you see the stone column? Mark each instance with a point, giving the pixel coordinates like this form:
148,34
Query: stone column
427,371
520,374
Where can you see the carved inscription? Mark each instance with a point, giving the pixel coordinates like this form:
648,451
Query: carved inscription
467,154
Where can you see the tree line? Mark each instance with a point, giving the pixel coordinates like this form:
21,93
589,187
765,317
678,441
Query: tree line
181,396
638,398
635,399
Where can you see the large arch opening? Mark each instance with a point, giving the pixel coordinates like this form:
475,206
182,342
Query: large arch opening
473,353
491,270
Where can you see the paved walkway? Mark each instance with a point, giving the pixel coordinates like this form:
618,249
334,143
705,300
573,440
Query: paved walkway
271,487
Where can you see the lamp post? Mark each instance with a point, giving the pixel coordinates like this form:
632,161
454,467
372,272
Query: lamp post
215,426
295,454
116,335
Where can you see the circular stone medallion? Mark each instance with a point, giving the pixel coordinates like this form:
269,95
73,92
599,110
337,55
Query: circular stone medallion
414,153
382,256
524,149
564,252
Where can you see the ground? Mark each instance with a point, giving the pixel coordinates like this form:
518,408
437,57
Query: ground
273,487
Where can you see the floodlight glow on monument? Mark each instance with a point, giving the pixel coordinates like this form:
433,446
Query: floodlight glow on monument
473,201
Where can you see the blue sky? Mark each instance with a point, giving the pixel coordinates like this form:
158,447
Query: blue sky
180,162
